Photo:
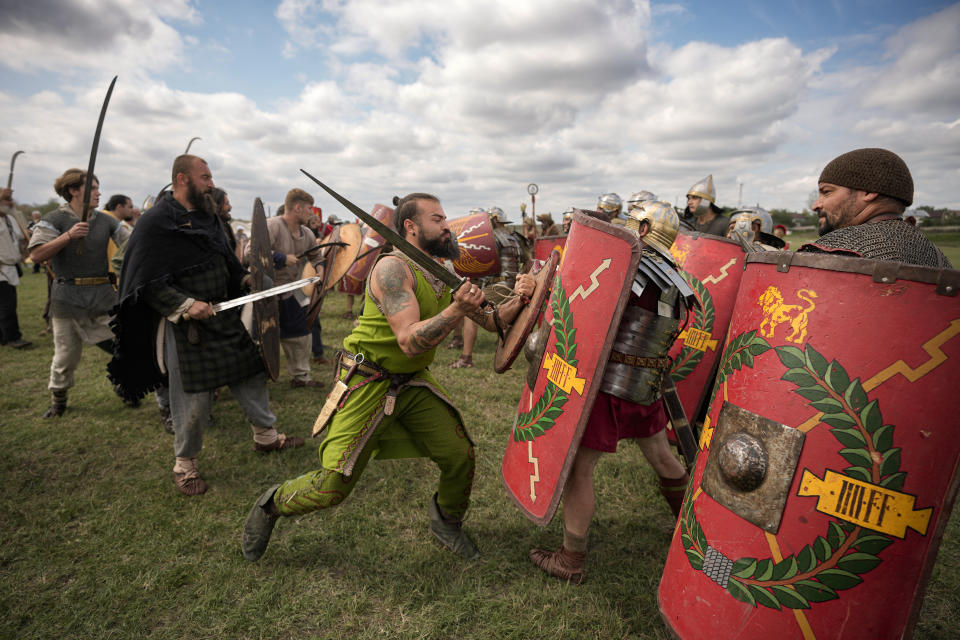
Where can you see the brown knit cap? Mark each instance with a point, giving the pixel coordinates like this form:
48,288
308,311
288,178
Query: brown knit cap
871,170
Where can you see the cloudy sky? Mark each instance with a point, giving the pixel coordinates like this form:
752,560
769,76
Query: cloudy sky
474,100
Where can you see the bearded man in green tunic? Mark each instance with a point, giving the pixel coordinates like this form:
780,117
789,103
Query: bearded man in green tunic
391,406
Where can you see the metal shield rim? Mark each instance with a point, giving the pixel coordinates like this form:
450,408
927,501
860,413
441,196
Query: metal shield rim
509,349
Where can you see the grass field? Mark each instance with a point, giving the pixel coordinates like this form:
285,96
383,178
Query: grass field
97,543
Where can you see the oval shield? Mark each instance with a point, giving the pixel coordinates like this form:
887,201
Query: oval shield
478,247
353,281
830,465
590,291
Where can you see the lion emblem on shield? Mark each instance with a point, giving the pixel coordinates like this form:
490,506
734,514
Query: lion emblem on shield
776,311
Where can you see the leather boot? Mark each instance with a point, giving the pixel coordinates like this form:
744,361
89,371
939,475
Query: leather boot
58,403
259,525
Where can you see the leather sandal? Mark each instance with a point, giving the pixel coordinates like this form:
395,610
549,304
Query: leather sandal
562,564
189,483
463,362
282,442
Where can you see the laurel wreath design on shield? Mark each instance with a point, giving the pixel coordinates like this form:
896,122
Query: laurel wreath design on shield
834,561
549,405
688,358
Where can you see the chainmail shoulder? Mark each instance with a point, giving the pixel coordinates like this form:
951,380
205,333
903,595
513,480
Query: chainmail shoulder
893,240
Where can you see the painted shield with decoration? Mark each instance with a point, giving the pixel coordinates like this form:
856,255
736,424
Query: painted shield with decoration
830,457
478,247
545,245
353,281
712,266
590,290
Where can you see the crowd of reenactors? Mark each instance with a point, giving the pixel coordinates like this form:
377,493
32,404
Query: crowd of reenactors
142,286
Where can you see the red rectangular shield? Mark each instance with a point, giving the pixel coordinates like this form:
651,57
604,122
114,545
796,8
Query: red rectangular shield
830,457
591,289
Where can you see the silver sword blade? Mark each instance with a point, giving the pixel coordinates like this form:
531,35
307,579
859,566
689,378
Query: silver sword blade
266,293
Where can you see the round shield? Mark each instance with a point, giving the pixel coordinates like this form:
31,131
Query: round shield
341,258
829,461
266,311
353,281
478,247
308,272
712,266
526,320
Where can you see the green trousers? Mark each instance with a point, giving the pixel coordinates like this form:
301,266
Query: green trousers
420,417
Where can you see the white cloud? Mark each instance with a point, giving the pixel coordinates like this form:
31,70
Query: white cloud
474,101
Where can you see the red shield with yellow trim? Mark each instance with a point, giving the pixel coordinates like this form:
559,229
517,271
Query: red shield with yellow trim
830,456
590,291
544,246
712,266
478,247
353,282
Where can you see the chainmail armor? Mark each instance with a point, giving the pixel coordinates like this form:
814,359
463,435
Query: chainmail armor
893,240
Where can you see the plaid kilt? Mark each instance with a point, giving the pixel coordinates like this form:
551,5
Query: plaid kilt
224,353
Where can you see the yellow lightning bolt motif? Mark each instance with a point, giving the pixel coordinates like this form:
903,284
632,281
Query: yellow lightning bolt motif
931,347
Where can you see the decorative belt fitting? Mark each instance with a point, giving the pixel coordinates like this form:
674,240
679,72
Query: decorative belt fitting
639,362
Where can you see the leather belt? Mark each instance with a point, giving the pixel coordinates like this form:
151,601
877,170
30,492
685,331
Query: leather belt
88,282
639,362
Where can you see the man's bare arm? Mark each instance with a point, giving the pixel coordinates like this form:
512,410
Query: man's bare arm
391,285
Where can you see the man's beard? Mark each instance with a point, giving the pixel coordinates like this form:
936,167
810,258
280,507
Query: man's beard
442,248
824,226
201,200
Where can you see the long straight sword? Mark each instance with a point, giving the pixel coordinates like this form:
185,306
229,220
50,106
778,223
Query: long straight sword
394,238
266,293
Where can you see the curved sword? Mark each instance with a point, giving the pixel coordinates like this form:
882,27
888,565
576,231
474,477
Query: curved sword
93,153
13,161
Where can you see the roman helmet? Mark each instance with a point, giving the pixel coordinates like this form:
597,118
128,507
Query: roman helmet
704,190
611,204
497,215
477,210
751,219
664,225
639,197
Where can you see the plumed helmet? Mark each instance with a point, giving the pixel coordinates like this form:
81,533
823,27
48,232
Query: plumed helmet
664,225
496,213
639,197
611,204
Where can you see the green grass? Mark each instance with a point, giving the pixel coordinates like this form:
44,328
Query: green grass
97,543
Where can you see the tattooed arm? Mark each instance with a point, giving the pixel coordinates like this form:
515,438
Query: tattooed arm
509,310
391,284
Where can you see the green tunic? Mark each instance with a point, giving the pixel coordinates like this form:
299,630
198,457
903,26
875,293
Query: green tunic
355,423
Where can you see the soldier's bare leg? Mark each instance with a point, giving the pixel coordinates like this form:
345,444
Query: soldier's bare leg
673,477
